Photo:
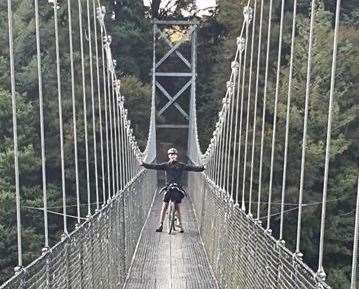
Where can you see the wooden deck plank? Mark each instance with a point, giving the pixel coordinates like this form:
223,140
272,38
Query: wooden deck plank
176,261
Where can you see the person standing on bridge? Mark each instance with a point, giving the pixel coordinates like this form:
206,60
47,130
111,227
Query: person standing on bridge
174,171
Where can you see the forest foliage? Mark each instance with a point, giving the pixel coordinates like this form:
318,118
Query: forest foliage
131,31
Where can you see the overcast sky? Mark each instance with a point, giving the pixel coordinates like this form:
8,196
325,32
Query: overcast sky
202,4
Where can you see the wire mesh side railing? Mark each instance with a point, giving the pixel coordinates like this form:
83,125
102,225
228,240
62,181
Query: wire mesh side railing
84,128
277,132
242,254
98,253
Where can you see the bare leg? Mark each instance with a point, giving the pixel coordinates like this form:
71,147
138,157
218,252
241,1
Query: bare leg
163,212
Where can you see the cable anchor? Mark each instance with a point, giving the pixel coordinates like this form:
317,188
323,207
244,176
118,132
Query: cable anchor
248,14
101,12
241,42
54,2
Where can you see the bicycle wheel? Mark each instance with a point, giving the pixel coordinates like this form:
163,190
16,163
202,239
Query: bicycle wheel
171,218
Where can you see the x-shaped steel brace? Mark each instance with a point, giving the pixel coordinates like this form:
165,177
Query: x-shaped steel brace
173,99
174,47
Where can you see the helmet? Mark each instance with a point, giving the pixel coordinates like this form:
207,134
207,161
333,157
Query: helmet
172,151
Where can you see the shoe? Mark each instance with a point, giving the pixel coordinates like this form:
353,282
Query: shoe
159,229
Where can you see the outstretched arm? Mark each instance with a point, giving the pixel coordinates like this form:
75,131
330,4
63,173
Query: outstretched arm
193,168
160,167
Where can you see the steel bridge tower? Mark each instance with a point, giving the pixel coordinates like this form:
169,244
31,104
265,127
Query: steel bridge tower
174,80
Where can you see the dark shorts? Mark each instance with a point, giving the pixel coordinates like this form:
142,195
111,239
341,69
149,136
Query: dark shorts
175,196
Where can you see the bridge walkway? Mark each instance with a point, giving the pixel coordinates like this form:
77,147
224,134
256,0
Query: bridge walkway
176,261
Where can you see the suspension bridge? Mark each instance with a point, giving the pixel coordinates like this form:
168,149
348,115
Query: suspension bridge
228,240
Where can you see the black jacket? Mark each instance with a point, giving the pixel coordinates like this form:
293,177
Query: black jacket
174,170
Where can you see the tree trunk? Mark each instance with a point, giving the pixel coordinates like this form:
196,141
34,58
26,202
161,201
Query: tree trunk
155,8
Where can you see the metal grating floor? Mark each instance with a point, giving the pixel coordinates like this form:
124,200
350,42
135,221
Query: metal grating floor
176,261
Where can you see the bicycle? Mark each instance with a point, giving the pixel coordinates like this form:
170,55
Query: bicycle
172,218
